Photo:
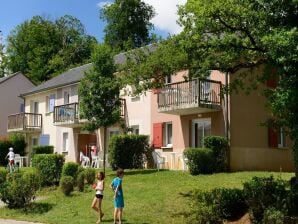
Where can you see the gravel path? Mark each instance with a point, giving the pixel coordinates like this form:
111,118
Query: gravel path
10,221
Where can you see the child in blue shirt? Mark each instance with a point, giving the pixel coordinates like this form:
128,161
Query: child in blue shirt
116,186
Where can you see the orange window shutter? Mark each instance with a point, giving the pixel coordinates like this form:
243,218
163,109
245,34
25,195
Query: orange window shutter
157,135
272,138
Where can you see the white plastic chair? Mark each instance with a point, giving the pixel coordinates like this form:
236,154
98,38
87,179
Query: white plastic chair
18,159
85,161
158,160
95,161
183,160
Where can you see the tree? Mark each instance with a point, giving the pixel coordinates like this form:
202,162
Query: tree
3,58
128,24
41,48
99,93
233,35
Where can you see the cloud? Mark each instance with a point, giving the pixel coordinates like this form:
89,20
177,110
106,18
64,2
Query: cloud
166,15
101,4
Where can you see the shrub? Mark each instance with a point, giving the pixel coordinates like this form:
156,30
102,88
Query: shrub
200,160
70,169
5,143
81,181
90,175
3,174
262,193
127,151
292,200
49,167
273,216
219,146
220,204
42,149
66,184
19,189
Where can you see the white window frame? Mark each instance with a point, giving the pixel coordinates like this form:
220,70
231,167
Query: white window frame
66,97
168,79
202,120
49,98
168,140
65,142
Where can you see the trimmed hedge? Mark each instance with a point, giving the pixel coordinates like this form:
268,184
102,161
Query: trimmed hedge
3,174
200,160
90,175
17,141
219,146
80,181
127,151
70,169
42,149
19,189
49,167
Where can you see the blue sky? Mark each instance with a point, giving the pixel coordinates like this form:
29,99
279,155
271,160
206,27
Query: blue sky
14,12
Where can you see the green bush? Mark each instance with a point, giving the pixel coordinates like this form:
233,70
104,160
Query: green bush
262,193
273,216
19,189
292,201
80,181
42,149
5,143
219,146
70,169
220,204
200,160
90,175
66,184
49,167
3,174
127,151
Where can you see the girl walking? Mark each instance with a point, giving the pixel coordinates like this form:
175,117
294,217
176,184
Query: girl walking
99,187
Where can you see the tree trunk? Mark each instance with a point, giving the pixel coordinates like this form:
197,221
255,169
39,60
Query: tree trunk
104,148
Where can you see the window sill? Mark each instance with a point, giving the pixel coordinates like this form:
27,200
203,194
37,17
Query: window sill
65,152
167,148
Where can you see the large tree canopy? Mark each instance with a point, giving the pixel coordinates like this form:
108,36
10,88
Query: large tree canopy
128,24
232,35
41,48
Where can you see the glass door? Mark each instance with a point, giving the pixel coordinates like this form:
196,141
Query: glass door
200,129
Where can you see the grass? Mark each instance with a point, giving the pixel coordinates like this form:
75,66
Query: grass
150,197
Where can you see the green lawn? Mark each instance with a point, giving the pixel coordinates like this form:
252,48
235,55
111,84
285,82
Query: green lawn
150,197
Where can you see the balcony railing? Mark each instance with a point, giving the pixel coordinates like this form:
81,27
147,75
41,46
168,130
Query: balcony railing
67,113
197,93
24,122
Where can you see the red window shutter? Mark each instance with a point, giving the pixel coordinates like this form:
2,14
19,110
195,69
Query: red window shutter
272,81
157,135
272,138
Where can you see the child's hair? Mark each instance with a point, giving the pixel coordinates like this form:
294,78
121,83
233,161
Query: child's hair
101,175
119,172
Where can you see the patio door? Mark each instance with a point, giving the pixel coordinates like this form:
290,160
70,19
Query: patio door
200,129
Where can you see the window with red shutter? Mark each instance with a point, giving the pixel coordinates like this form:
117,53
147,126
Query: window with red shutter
272,137
157,135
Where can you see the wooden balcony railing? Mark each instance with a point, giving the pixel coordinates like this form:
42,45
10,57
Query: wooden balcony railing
67,113
194,93
24,122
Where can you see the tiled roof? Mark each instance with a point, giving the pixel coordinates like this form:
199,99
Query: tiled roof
74,75
3,79
71,76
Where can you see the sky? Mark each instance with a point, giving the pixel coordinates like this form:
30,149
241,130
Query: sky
14,12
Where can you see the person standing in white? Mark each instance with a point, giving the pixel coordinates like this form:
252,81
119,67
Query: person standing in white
11,156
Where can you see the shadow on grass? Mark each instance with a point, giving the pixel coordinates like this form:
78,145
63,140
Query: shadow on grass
123,220
38,208
136,172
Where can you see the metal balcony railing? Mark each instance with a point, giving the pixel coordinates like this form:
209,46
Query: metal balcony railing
66,113
194,93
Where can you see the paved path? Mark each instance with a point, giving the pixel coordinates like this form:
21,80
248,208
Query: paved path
10,221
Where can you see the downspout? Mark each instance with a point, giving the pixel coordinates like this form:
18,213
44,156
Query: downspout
227,120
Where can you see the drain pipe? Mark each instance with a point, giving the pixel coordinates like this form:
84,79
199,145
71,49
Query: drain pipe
227,120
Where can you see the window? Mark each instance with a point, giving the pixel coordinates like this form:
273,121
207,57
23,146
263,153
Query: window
200,129
44,140
281,138
168,79
168,134
66,97
50,103
65,142
135,129
34,141
22,108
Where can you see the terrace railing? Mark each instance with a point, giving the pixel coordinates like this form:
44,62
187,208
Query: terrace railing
24,122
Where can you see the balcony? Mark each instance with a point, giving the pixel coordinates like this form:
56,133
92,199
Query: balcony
190,97
67,115
25,122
